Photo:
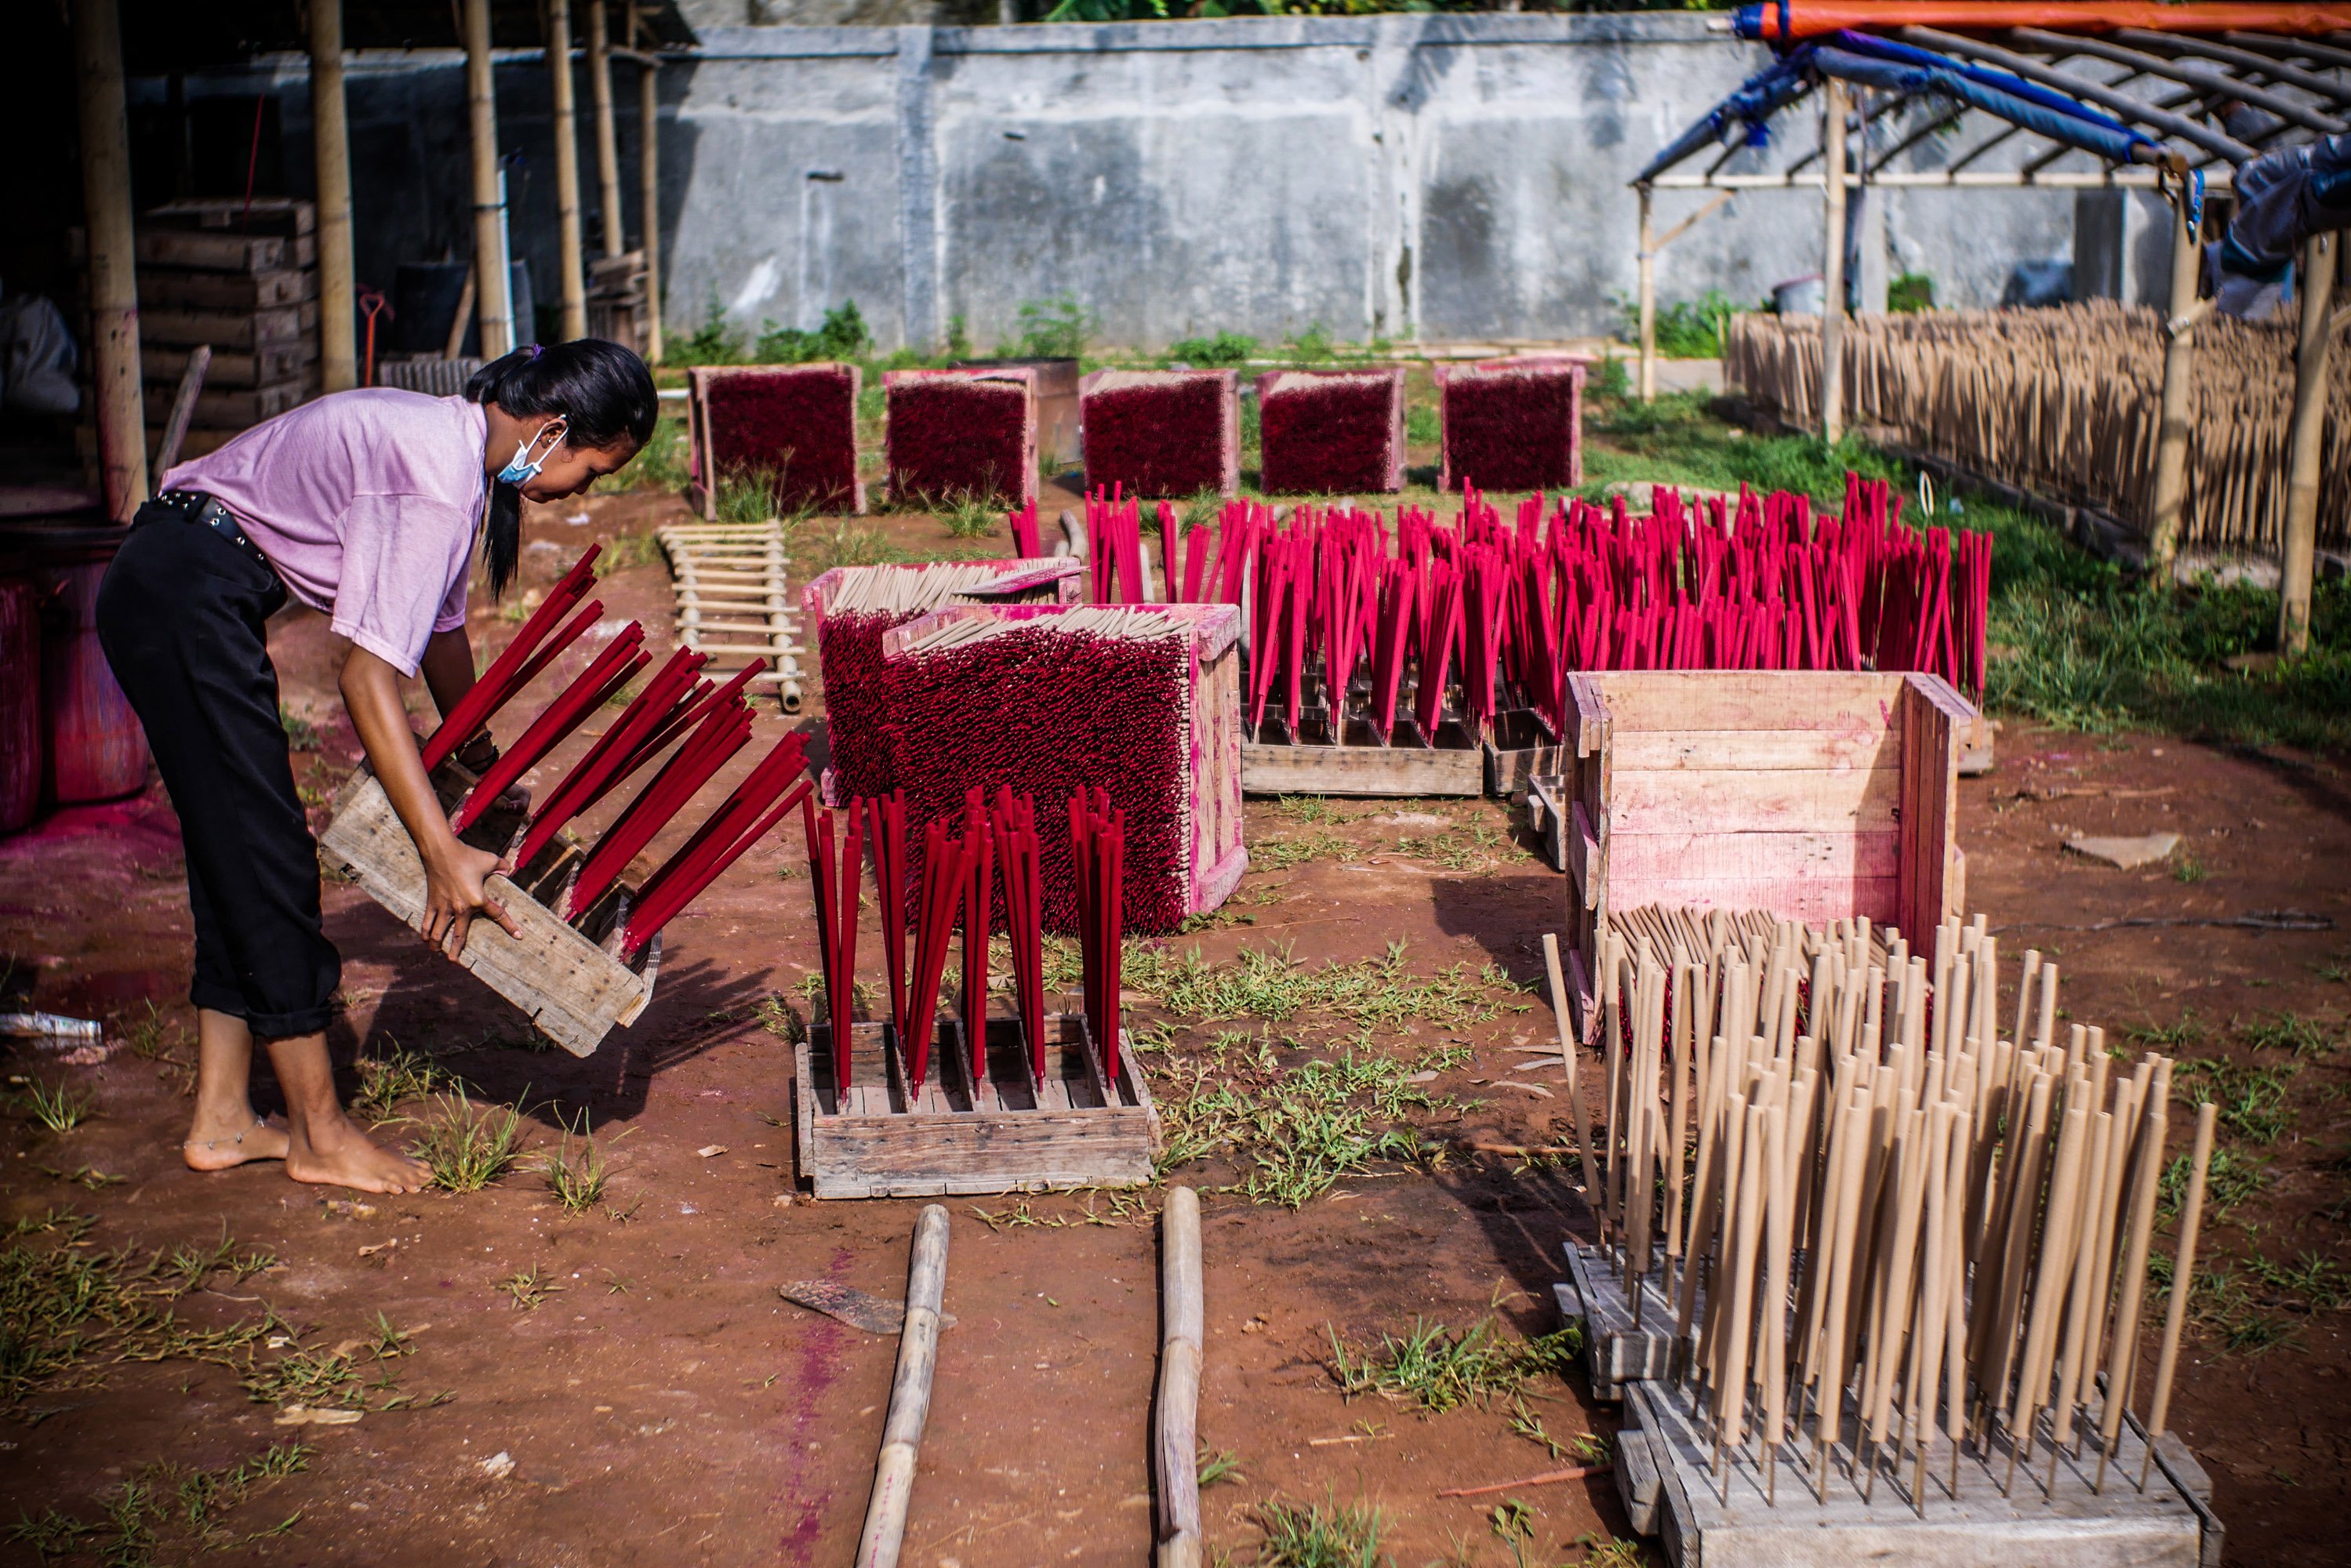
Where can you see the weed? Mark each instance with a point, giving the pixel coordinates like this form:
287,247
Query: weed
1689,329
2252,1099
782,1019
842,336
1420,422
1371,993
86,1177
712,344
53,1534
2317,1284
577,1180
390,1082
1211,352
159,1040
969,518
2286,1032
1513,1523
465,1153
1530,1426
1218,1466
301,735
2187,868
747,495
1610,378
58,1107
2187,1031
1319,1535
530,1288
660,464
2231,1178
1440,1369
1908,293
624,551
1056,328
1286,853
1609,1551
2244,1325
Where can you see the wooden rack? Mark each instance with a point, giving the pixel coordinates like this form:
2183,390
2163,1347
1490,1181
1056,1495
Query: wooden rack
733,601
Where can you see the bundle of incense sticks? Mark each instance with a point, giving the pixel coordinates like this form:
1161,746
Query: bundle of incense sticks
1098,843
533,648
1022,525
1020,863
1872,1207
835,878
1116,572
764,798
979,919
940,888
1483,616
885,830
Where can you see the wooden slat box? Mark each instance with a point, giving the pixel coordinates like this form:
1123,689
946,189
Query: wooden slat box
1000,1133
933,446
571,983
1520,749
809,410
1409,767
1812,795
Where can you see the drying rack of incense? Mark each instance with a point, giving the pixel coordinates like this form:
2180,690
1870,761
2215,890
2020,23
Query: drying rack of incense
2066,404
925,1102
733,601
1408,657
590,942
1873,1260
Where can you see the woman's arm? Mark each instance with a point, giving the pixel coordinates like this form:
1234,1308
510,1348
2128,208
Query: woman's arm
454,871
447,667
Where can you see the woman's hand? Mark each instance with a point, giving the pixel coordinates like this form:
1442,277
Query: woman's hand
454,892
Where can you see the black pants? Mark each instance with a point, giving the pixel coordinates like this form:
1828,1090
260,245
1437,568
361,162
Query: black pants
180,616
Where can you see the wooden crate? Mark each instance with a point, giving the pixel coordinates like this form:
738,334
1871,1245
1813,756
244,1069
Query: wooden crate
1454,766
1013,491
1214,772
1520,749
998,1134
572,982
1812,795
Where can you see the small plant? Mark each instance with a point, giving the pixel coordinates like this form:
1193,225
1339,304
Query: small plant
1513,1523
1319,1535
530,1288
1690,329
1609,379
2187,868
1440,1369
1056,328
842,336
58,1107
577,1180
2186,1031
1211,352
969,518
782,1019
712,344
301,735
2286,1032
396,1079
1218,1466
1908,293
1608,1550
464,1152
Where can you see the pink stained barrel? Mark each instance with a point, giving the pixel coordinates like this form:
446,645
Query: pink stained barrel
94,748
20,702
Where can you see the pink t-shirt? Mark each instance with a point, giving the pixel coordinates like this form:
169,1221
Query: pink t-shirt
366,502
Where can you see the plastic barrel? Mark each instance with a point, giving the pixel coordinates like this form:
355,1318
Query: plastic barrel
20,702
93,748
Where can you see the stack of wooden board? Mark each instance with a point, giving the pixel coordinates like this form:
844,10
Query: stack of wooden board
616,300
243,281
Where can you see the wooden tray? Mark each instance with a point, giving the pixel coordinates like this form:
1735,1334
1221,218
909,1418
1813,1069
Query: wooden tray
1520,749
998,1134
1408,767
572,982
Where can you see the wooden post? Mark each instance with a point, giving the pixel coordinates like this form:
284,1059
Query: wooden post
113,267
2179,373
574,282
910,1393
492,294
649,196
2315,281
600,103
1648,265
1181,1335
1832,262
330,150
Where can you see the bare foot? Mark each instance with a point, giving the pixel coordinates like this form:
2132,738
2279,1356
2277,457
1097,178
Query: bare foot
212,1147
343,1155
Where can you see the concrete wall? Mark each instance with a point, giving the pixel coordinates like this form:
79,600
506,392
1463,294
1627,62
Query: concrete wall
1418,177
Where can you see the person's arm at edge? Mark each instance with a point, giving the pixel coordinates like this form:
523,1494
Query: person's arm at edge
454,872
447,667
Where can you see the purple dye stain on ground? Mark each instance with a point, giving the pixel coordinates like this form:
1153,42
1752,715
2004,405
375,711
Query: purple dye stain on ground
816,1368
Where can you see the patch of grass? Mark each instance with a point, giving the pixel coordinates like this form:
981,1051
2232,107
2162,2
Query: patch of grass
2252,1099
2287,1031
1328,1535
747,495
1211,352
660,464
2231,1178
1471,847
1370,993
159,1039
1438,1369
2187,868
969,518
2313,1283
1609,1551
848,546
2242,1323
57,1107
1288,854
397,1078
464,1152
1218,1466
1686,329
842,336
301,735
576,1179
530,1288
89,1178
1296,1135
783,1020
1055,328
1421,422
2172,1038
53,1534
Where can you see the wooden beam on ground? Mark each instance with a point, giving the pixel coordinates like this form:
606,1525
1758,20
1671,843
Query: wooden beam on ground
910,1393
571,275
113,271
2307,436
330,152
1182,1340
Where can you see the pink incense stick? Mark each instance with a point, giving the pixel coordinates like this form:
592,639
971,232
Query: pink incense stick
978,916
667,690
613,669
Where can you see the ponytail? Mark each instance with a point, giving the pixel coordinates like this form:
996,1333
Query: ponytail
605,395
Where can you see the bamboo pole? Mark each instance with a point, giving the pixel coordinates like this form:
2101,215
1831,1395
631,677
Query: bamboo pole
1648,274
1833,261
600,104
649,196
2315,281
573,281
492,292
113,267
910,1390
2178,374
1183,1335
330,145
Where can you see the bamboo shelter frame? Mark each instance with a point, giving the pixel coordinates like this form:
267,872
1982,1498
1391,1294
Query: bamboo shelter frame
2303,86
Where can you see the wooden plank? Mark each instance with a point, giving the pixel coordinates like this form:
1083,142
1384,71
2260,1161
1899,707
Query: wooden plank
215,252
1762,800
1813,900
1585,714
271,362
1858,748
217,409
1945,723
1736,856
1615,1353
1749,699
1361,770
234,291
1583,855
228,329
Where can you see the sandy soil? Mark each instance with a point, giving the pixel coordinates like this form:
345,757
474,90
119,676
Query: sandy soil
664,1406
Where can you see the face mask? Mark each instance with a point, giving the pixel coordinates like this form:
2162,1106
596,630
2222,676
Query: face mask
525,467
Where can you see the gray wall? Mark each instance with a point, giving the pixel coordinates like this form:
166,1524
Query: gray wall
1419,177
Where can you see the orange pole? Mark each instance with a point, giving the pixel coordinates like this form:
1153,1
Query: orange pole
1810,18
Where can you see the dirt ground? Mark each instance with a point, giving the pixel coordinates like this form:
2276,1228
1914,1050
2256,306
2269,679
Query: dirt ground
661,1404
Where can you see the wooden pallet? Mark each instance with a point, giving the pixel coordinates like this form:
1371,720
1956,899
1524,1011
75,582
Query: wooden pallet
1666,1473
570,980
1000,1133
1408,767
1615,1353
733,600
1812,795
1548,817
